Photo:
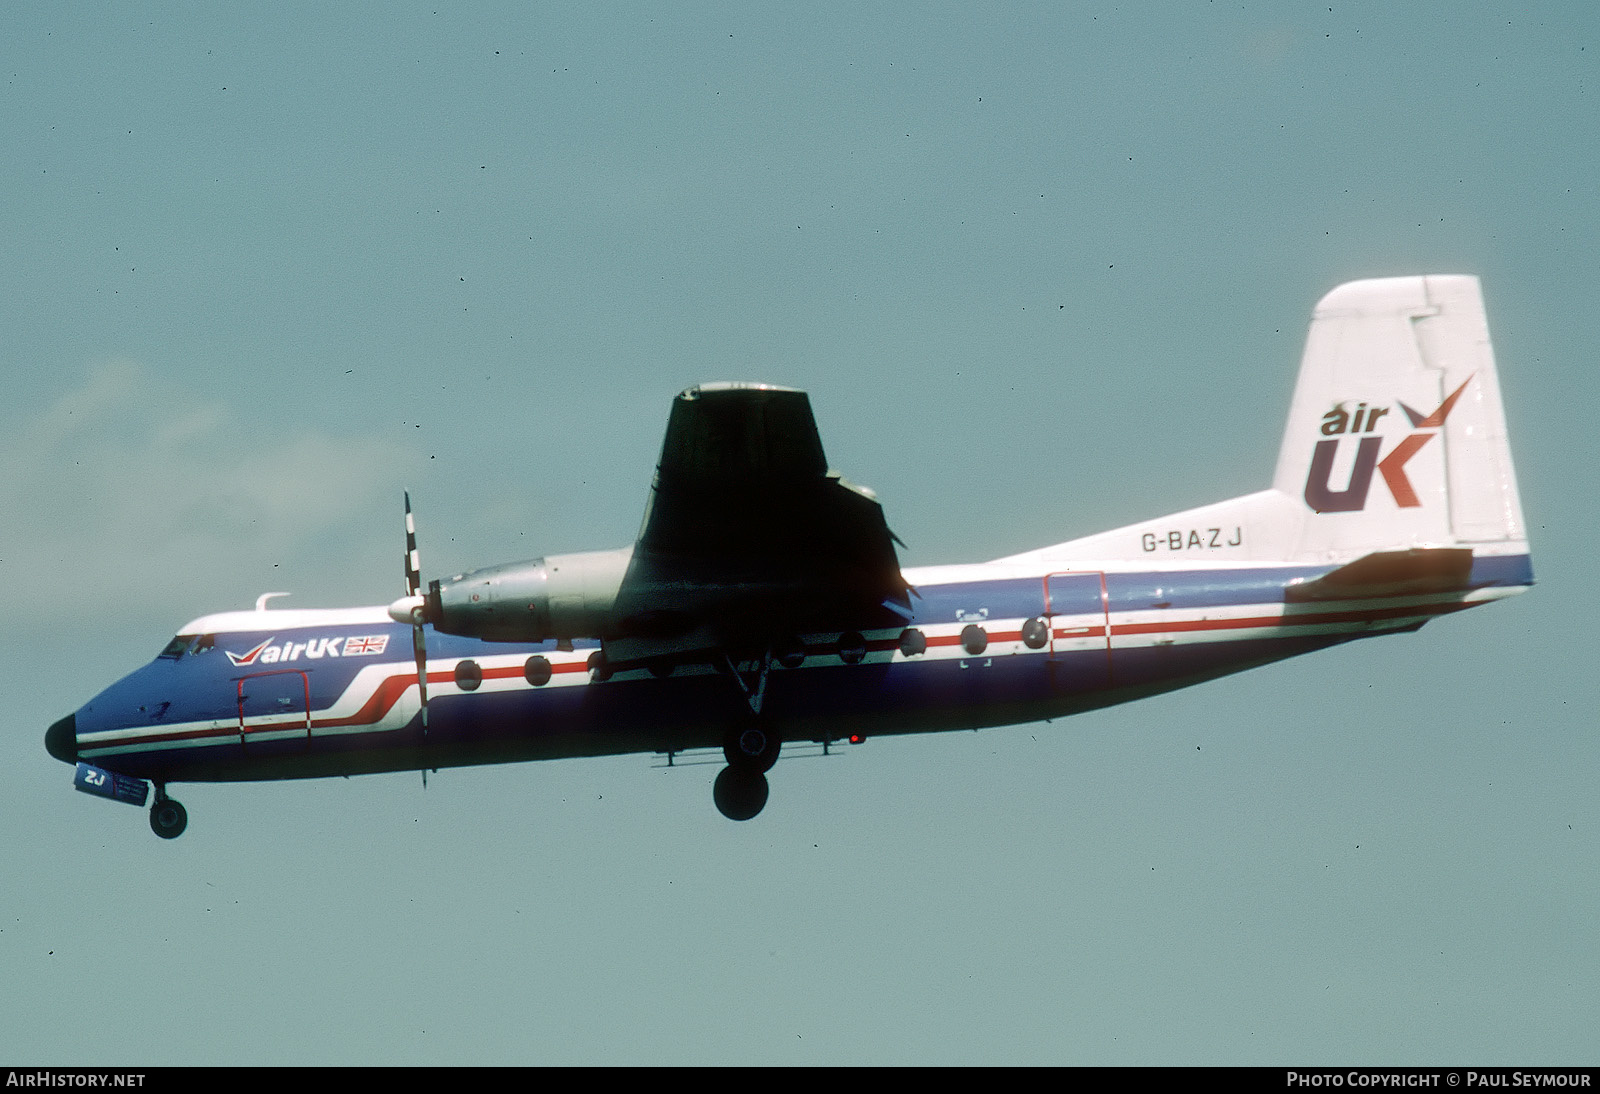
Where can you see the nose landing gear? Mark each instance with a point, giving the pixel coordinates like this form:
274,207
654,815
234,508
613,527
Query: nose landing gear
168,817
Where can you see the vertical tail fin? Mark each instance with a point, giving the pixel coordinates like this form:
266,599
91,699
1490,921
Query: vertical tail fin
1396,440
1396,436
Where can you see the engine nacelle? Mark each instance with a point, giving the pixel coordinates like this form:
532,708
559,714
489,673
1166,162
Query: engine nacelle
558,596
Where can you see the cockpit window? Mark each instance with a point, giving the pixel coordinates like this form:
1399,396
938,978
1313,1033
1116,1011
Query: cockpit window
177,647
204,644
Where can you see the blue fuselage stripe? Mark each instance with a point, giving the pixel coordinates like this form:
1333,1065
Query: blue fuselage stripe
342,698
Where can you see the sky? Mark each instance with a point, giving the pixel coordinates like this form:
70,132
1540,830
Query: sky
1045,269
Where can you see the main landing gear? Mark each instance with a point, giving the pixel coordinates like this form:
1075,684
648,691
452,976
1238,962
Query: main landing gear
168,817
739,795
751,748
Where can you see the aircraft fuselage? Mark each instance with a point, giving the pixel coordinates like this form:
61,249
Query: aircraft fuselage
285,694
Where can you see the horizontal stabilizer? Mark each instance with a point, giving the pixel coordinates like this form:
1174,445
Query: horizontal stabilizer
1415,572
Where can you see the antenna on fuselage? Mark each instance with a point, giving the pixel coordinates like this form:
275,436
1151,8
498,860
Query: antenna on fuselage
261,601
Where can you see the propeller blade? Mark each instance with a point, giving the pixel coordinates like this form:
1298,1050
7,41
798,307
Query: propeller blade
412,608
419,647
413,559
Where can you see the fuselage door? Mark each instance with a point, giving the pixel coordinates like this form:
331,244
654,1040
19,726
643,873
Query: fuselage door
1080,629
276,703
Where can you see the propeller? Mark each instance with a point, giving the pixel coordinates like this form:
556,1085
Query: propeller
409,609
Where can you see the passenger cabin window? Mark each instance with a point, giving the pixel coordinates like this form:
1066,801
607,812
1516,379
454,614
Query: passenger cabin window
177,647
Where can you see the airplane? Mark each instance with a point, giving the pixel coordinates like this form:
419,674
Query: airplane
763,605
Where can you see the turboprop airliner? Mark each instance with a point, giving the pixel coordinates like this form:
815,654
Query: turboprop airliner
763,606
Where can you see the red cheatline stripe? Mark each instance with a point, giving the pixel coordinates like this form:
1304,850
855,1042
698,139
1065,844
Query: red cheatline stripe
391,688
955,639
1286,620
384,697
161,738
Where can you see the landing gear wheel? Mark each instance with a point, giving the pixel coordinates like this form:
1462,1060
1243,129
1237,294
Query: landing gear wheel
739,795
751,746
168,818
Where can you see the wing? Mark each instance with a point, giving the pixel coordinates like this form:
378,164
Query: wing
748,538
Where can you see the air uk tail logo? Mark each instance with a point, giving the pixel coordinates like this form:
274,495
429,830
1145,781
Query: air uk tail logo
1338,423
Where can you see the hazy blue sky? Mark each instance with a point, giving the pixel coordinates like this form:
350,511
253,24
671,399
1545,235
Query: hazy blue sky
1045,269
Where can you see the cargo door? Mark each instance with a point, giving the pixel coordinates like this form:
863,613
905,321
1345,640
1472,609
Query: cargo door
274,706
1080,630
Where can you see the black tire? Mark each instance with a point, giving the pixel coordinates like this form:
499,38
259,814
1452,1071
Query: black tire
751,746
168,818
739,795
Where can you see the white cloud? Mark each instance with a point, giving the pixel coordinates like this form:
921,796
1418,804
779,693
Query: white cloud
128,490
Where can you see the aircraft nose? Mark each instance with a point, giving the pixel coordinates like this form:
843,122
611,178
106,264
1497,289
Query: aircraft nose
61,739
